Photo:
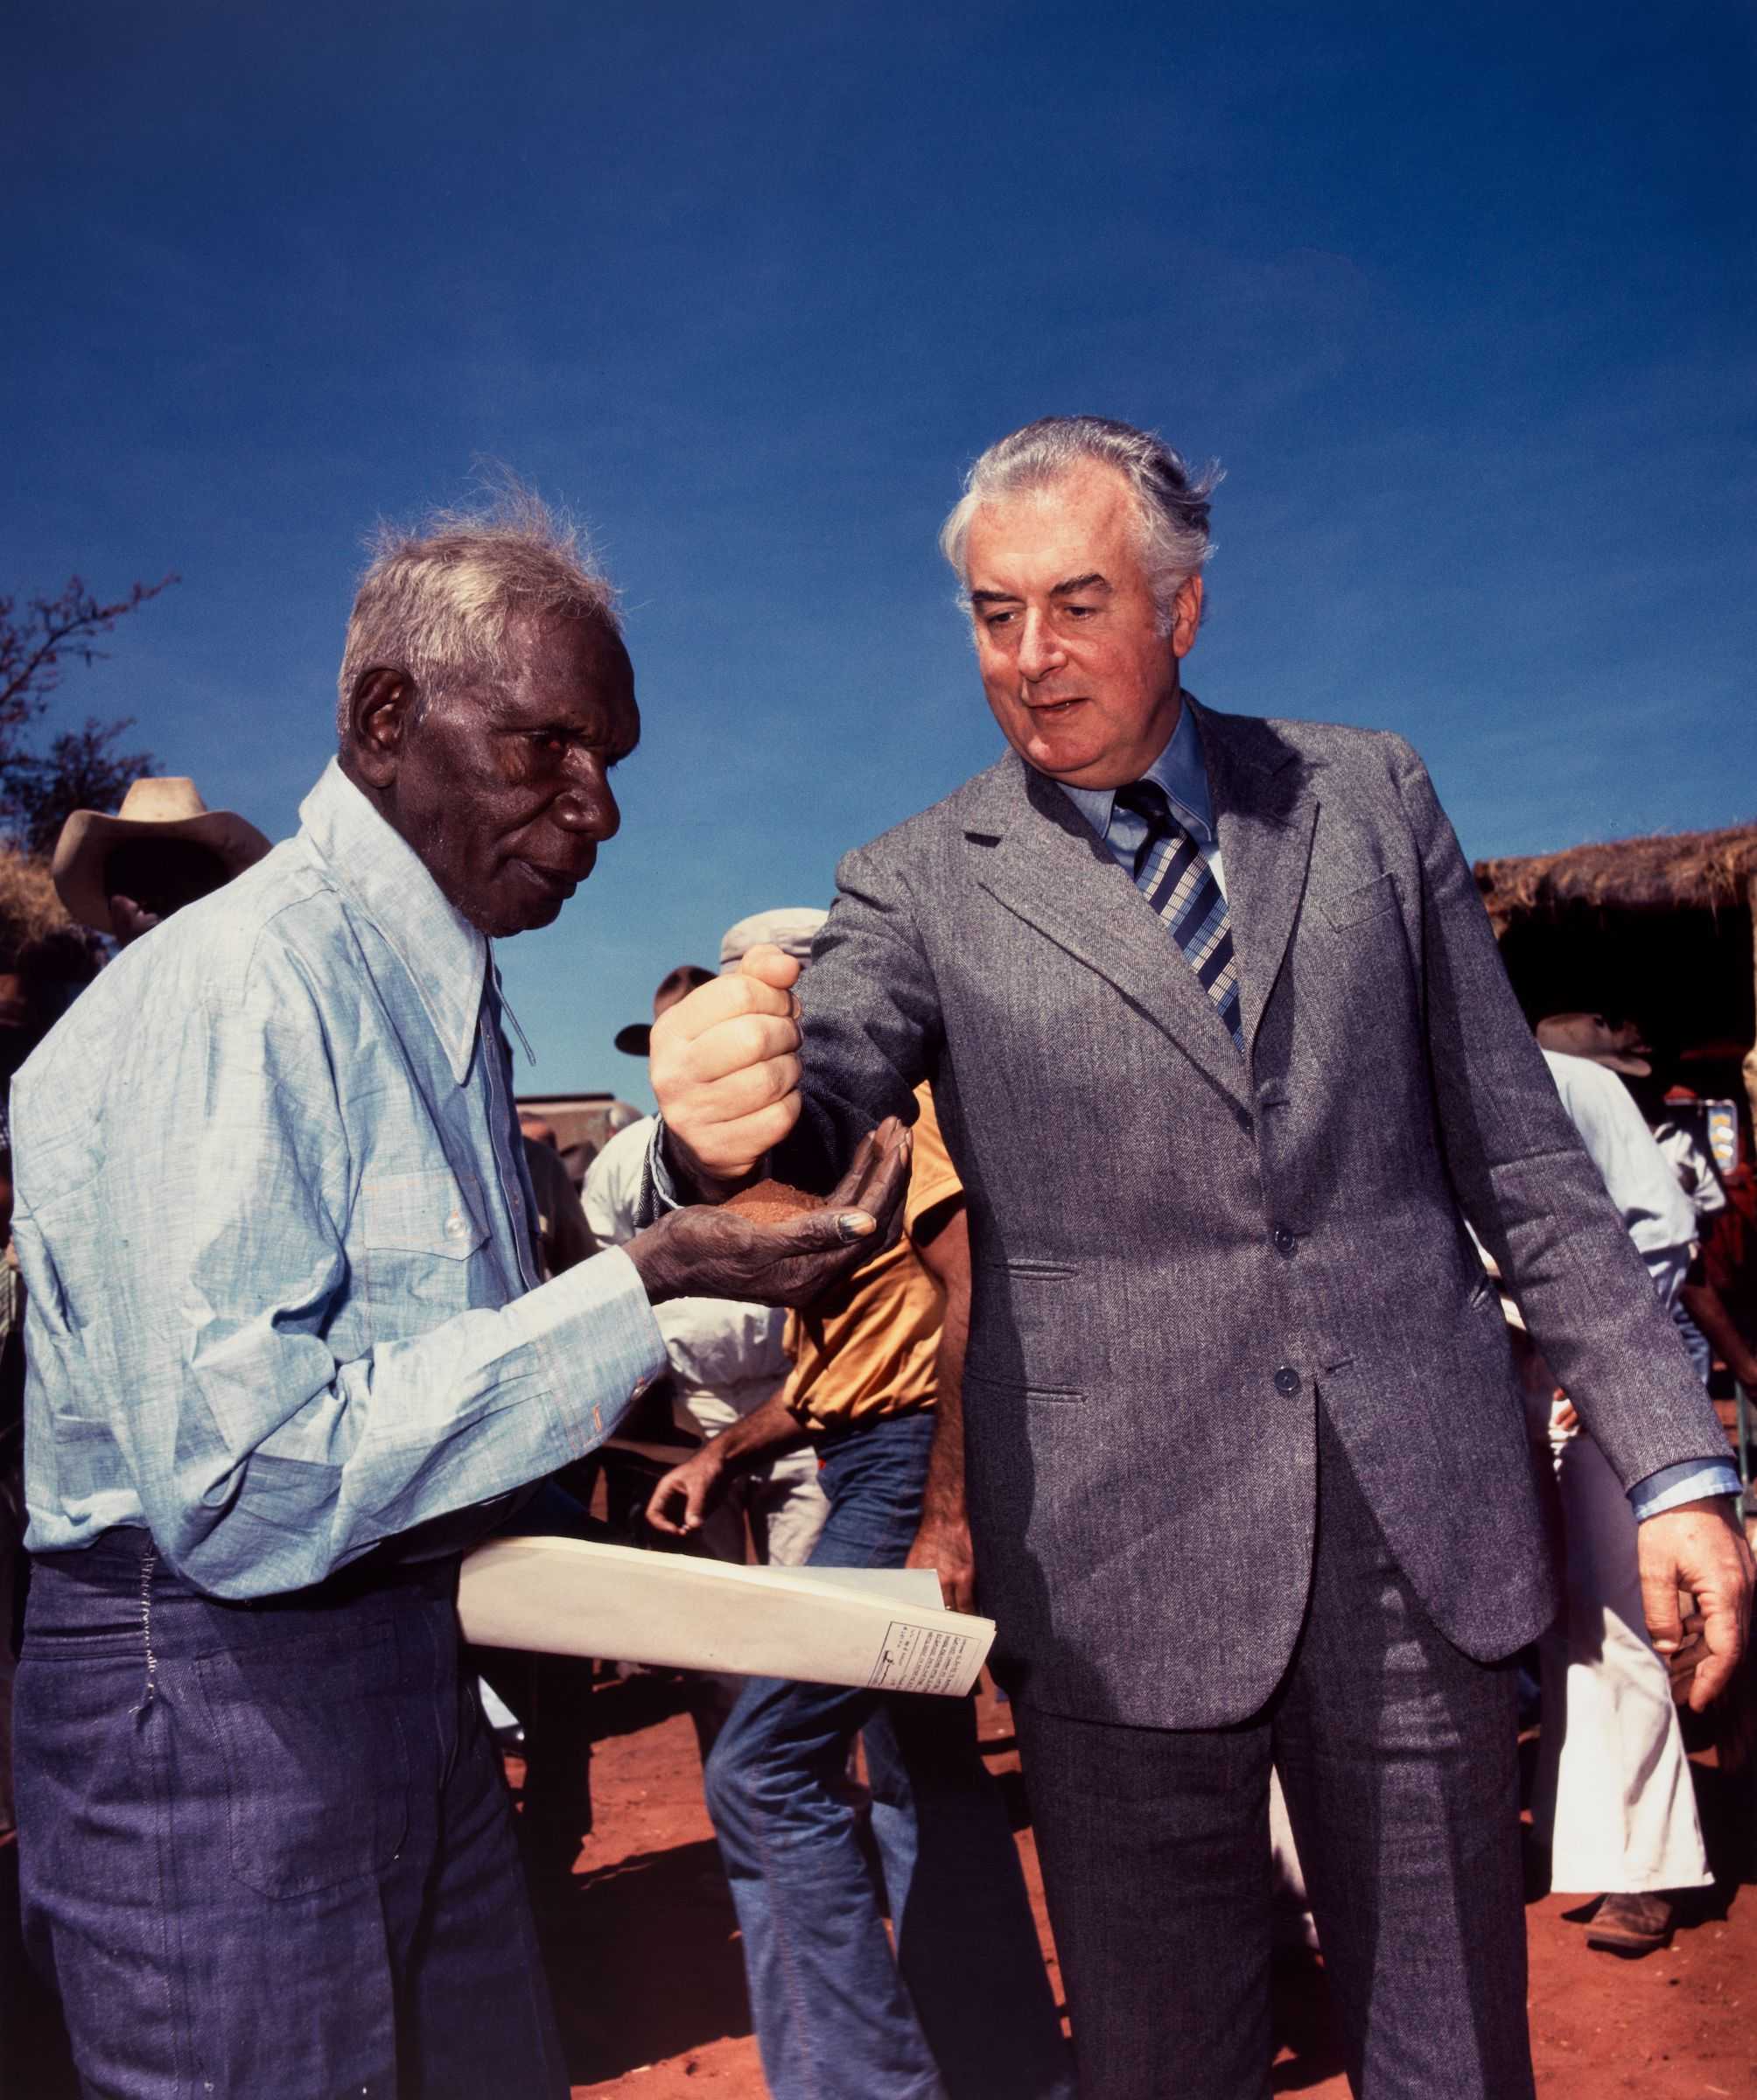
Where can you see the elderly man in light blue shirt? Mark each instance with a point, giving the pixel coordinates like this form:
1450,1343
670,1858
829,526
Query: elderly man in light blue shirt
288,1354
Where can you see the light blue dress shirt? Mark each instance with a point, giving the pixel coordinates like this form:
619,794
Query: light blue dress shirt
1180,769
276,1228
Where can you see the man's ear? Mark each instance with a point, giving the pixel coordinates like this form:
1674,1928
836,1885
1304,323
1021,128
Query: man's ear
1186,615
381,712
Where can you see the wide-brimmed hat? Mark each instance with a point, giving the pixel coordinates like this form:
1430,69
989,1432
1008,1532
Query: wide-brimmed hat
792,929
167,808
1590,1035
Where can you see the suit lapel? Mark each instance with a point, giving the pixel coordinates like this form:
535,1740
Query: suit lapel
1265,815
1035,855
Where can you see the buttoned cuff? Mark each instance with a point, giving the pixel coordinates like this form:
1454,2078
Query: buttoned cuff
1693,1480
658,1188
659,1191
593,1331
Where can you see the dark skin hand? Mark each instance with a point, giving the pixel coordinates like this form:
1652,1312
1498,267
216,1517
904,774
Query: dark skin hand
682,1502
683,1498
706,1252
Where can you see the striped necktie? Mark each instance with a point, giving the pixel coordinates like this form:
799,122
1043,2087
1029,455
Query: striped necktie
1172,874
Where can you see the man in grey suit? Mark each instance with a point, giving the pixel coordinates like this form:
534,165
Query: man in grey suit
1226,1058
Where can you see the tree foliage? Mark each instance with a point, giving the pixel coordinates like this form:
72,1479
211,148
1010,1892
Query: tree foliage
81,769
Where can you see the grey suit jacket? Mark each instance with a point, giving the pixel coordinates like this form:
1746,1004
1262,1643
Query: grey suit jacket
1180,1253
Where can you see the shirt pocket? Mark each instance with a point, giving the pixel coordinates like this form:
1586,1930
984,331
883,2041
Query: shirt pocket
417,1234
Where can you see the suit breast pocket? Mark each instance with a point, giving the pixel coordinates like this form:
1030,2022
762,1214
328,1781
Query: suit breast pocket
1370,900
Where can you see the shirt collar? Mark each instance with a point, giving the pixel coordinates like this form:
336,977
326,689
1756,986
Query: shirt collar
446,957
1179,769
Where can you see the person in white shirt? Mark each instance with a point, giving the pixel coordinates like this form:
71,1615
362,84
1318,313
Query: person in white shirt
1613,1798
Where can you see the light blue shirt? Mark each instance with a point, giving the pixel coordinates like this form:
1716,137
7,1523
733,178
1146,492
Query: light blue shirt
276,1230
1180,769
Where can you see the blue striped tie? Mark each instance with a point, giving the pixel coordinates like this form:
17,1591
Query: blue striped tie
1172,874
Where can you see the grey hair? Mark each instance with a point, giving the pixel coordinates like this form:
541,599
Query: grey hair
1171,501
437,602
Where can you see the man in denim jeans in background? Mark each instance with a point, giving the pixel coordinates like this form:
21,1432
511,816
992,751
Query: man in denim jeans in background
963,2009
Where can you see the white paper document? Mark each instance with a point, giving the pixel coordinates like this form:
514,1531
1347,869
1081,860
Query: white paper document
882,1626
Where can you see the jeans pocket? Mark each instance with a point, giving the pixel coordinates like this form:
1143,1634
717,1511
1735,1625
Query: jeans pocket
317,1767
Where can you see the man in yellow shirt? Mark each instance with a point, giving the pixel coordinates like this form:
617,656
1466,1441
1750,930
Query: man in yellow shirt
962,2009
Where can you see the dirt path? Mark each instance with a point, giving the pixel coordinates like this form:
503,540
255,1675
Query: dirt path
644,1953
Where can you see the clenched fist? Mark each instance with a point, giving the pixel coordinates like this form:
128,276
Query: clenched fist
725,1066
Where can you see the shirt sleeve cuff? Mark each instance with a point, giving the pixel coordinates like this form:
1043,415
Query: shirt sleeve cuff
599,1345
658,1190
1691,1481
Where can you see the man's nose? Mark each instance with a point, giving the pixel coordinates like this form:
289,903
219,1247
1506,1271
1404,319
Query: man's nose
1039,652
588,806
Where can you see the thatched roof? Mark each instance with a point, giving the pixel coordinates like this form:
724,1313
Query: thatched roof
1688,870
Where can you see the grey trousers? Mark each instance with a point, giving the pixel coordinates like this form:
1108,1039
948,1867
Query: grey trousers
1397,1754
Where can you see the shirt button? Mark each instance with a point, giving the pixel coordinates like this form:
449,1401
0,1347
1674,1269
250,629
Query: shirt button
1287,1381
455,1227
1285,1242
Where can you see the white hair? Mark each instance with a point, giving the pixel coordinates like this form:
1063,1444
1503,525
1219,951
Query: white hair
437,602
1171,502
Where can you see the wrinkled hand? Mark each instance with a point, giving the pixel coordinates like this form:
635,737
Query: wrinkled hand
1698,1548
724,1067
681,1502
706,1252
944,1546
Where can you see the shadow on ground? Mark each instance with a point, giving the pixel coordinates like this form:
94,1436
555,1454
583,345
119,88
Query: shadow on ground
652,1941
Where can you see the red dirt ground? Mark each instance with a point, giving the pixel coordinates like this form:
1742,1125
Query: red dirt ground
644,1952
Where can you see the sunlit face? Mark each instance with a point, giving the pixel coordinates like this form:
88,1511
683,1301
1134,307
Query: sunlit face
504,790
1083,684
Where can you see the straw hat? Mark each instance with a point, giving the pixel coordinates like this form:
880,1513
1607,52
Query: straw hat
162,808
792,929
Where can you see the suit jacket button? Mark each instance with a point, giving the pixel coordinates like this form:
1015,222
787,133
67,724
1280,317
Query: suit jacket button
1285,1242
1246,1122
1287,1380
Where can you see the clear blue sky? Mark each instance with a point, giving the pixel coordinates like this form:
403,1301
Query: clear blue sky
1459,295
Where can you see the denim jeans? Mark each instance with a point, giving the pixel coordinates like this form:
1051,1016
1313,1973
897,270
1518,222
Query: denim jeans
963,2009
267,1848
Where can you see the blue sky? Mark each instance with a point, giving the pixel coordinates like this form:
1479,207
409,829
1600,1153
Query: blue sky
1460,296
